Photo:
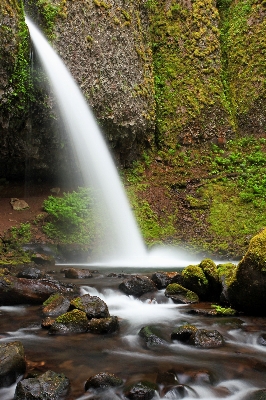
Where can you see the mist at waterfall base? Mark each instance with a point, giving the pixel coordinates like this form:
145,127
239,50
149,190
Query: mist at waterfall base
123,244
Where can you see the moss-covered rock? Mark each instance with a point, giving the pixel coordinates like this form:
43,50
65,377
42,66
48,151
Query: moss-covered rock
93,306
209,269
194,279
226,274
179,294
247,290
71,322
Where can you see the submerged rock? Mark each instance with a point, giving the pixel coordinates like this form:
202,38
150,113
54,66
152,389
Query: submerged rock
179,294
137,285
150,337
206,339
93,306
103,325
77,273
103,381
49,385
141,391
12,362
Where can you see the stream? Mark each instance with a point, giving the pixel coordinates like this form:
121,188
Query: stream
229,372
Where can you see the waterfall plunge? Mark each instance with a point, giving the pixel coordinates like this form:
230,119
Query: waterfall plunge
94,158
124,245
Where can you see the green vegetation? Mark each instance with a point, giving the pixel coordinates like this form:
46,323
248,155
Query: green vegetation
226,204
225,311
72,217
21,234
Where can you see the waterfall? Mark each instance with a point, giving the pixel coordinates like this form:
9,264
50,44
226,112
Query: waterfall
124,243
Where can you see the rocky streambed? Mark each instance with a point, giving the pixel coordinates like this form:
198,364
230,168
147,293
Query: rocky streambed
135,342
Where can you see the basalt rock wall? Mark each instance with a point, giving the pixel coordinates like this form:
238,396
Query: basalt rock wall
154,71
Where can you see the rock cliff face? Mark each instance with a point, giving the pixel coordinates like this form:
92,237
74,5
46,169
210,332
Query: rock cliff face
152,70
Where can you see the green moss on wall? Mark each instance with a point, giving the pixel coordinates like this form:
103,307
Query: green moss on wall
187,64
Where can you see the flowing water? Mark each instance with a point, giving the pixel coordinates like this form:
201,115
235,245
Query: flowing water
230,372
122,238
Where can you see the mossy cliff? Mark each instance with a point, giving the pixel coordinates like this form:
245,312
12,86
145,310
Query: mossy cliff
191,103
243,43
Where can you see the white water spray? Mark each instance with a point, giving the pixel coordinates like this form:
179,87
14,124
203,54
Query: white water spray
95,160
123,244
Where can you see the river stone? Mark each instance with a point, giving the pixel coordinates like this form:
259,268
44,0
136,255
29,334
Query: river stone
56,305
141,391
12,362
71,322
103,325
93,306
150,337
205,339
179,294
183,333
103,381
76,273
163,279
137,285
15,290
48,386
30,272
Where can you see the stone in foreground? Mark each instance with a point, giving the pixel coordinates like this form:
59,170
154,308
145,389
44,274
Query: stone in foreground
49,385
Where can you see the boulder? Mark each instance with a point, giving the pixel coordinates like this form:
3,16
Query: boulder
49,385
141,390
103,325
18,205
256,395
210,271
183,333
93,306
56,305
103,381
30,272
71,322
179,294
194,279
43,259
163,279
77,273
15,290
12,362
151,339
206,339
137,285
247,288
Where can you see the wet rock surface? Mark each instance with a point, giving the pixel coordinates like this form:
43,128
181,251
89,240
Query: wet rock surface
137,286
12,362
49,385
